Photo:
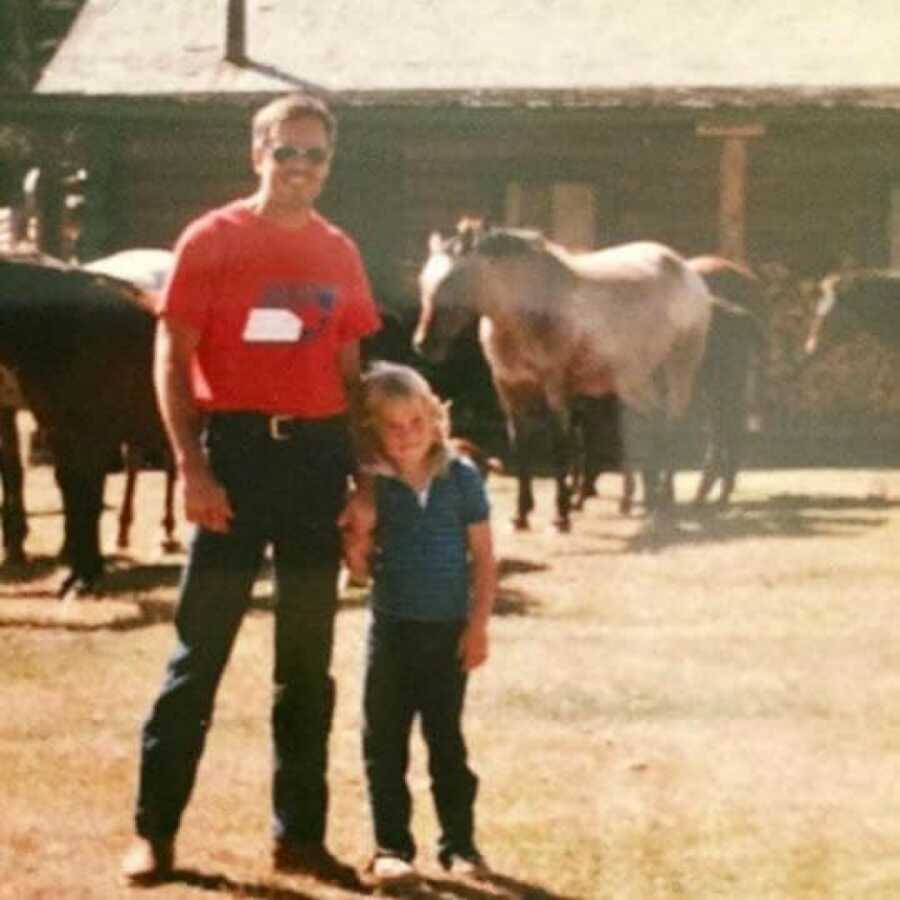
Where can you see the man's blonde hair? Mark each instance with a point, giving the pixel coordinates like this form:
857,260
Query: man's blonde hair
385,383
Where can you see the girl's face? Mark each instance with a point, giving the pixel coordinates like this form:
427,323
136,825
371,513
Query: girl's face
406,432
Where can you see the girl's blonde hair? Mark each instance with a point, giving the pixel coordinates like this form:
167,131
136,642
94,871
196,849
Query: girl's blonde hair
385,383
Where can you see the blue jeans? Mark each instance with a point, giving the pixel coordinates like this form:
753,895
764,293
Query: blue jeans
413,668
288,494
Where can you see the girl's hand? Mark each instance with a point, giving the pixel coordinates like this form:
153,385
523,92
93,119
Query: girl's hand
473,646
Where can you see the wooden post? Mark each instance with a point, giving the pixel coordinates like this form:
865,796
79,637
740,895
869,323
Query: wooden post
732,185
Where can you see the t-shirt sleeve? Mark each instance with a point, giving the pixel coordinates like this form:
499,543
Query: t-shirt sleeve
475,505
189,293
360,313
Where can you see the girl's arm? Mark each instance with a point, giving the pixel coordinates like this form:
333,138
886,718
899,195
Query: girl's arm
473,646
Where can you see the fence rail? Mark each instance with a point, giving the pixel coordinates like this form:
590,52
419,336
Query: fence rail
7,230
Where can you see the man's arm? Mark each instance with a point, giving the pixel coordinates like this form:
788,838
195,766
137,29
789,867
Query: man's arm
205,500
349,363
473,649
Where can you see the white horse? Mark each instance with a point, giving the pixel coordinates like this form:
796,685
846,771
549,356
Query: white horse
556,326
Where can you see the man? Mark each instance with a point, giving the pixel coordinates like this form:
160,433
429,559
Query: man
257,359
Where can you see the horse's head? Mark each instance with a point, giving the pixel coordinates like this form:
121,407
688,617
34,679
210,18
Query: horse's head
445,295
827,315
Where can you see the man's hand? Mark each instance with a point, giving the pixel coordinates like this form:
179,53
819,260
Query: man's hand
205,500
357,525
473,646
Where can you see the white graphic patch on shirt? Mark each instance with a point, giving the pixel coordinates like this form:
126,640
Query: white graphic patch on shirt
272,325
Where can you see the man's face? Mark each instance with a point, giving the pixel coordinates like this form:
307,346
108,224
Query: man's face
287,175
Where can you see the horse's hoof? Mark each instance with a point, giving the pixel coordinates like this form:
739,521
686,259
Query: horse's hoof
77,587
563,526
171,546
520,524
625,507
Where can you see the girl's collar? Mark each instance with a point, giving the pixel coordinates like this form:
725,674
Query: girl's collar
437,464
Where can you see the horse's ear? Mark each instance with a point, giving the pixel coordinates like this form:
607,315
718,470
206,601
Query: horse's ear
469,223
435,242
469,229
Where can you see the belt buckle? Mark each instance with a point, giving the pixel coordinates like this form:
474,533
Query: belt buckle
275,423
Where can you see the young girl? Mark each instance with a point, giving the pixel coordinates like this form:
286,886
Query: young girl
421,514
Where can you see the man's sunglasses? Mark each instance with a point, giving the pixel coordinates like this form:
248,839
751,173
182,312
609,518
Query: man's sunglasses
313,155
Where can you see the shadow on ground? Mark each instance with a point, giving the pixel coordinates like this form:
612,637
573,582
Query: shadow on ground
130,595
496,887
780,516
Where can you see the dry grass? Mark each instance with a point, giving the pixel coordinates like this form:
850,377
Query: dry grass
705,709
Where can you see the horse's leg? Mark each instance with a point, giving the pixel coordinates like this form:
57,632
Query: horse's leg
712,414
650,437
170,545
521,443
592,427
618,455
601,430
650,473
579,456
561,437
15,524
133,459
679,373
734,438
626,501
712,467
642,397
81,477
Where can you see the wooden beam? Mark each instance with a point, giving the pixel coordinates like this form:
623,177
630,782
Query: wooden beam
735,131
732,184
732,202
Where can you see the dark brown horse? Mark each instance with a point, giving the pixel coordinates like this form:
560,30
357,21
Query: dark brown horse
555,326
735,342
148,269
81,347
13,518
866,300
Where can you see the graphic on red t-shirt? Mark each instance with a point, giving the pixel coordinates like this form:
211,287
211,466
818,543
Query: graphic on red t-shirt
311,305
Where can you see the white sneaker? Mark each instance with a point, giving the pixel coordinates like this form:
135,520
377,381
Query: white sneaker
387,869
470,865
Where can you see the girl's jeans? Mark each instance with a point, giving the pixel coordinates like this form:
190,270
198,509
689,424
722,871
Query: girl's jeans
413,667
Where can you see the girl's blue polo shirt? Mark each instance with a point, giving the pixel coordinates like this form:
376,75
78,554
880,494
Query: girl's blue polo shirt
421,568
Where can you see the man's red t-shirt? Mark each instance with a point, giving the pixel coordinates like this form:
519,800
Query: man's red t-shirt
272,306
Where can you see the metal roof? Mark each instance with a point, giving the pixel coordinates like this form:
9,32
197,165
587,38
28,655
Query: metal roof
593,52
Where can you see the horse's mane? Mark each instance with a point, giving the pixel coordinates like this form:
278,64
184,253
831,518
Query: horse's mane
500,242
542,306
